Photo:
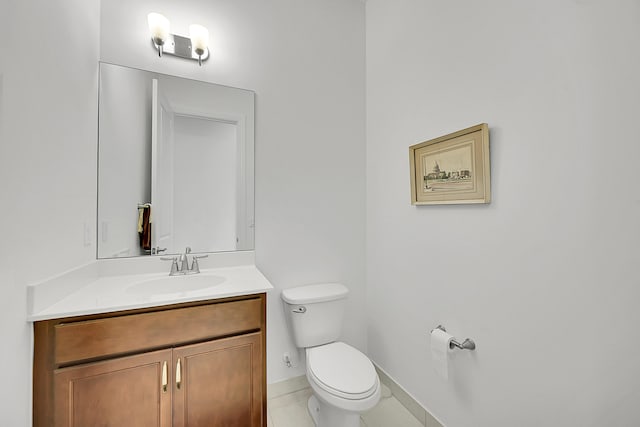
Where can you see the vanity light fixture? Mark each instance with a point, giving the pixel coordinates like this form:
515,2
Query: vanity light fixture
195,47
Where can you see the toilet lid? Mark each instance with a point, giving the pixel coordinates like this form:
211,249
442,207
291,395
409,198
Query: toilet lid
342,370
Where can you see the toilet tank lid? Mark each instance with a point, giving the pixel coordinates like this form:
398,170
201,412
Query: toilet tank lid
309,294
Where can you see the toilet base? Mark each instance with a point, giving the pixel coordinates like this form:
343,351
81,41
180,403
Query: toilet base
314,408
324,415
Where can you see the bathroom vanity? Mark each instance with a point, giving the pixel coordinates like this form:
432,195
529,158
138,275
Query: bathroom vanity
135,341
184,358
192,364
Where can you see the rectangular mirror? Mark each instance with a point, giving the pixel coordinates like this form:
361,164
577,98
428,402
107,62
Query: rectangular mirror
175,165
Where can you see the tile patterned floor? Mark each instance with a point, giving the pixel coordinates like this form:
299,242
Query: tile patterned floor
290,410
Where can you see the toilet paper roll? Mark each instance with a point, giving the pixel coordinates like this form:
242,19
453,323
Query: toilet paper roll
440,349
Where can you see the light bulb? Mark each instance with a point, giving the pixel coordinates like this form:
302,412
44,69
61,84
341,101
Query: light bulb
199,40
158,27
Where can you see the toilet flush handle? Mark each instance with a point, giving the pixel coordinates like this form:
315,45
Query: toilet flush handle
301,309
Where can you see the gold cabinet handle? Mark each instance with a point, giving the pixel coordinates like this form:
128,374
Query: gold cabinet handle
165,377
178,373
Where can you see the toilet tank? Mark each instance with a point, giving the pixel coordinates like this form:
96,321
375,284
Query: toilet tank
315,312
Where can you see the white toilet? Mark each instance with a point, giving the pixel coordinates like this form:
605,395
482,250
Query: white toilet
343,380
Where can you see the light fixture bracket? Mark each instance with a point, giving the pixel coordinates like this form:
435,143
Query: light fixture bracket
180,46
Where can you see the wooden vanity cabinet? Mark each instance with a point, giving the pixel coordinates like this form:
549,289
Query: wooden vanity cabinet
187,365
229,364
124,391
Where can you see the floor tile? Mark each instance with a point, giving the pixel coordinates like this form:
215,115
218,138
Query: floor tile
269,421
431,421
290,410
295,414
291,398
288,386
389,412
385,391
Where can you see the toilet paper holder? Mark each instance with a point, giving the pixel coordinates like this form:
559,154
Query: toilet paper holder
467,344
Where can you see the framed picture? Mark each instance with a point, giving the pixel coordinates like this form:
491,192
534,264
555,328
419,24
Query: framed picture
452,169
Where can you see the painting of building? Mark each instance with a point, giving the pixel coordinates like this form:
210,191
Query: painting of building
448,170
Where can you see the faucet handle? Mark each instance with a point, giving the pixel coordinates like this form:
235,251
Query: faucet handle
195,267
174,264
187,250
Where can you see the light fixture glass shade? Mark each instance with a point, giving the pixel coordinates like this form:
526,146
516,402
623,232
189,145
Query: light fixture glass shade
158,27
199,38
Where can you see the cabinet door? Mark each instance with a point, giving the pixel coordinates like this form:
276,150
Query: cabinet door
219,383
127,391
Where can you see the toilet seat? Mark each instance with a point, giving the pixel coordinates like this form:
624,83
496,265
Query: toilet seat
342,371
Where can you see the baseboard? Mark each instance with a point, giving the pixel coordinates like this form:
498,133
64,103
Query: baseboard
287,386
407,400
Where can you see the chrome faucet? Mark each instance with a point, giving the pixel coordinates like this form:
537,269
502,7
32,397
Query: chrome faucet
184,268
184,260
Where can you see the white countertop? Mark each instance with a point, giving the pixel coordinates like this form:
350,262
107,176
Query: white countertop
111,293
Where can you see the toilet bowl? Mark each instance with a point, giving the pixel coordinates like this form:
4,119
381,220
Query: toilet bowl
344,384
343,380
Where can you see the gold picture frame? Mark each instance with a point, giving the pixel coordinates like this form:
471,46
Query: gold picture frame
452,169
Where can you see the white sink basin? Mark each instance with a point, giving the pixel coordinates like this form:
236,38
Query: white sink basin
174,284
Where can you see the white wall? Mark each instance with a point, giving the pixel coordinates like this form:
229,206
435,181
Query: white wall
47,166
305,61
547,283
